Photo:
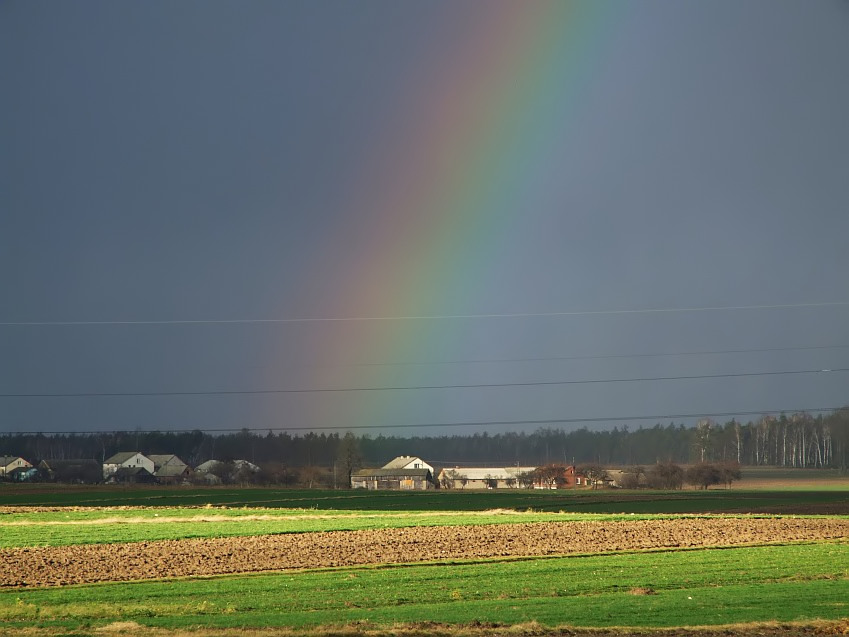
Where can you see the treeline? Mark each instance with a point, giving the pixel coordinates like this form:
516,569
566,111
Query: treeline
787,440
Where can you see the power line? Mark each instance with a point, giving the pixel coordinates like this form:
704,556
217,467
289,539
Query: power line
597,356
415,387
432,317
423,425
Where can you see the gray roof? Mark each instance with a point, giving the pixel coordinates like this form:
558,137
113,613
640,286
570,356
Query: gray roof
209,465
132,471
170,470
169,459
61,464
482,473
400,462
212,465
121,456
7,460
391,473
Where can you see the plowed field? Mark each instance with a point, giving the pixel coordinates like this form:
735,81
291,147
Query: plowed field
56,566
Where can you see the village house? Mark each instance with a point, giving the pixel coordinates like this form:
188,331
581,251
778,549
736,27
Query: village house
126,460
133,475
10,464
404,473
550,476
483,477
169,469
84,471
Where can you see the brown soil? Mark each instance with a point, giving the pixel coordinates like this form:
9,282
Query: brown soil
435,629
56,566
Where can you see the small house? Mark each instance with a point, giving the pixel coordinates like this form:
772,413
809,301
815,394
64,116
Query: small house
483,477
8,464
126,460
133,475
169,469
79,471
407,473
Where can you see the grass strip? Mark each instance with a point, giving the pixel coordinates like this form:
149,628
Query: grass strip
575,500
143,525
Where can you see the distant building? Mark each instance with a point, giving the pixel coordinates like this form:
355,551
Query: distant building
8,464
408,462
551,476
407,473
169,468
83,471
216,471
133,475
126,460
483,477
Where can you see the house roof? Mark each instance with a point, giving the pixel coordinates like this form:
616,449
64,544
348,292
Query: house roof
482,473
211,465
123,472
402,461
391,473
66,464
170,470
7,460
121,456
160,460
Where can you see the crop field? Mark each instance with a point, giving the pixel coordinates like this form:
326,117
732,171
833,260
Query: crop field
261,562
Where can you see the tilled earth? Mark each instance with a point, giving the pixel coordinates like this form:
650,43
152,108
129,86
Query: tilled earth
56,566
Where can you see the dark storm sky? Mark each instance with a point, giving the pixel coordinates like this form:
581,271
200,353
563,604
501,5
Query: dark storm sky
165,166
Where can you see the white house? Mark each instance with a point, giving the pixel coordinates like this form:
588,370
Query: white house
127,460
10,463
403,472
408,462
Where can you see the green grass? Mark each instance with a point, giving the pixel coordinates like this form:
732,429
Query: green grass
101,527
795,582
587,501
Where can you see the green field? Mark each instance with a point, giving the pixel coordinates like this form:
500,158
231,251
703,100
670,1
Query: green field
785,500
802,582
144,525
685,588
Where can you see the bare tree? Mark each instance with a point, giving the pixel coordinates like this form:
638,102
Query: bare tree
703,475
594,473
349,456
633,478
729,472
665,475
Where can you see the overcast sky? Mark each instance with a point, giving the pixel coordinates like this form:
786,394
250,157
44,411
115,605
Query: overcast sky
421,195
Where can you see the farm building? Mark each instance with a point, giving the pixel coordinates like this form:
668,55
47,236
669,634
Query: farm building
169,468
404,472
8,464
132,475
483,477
407,462
550,476
71,471
403,479
126,460
558,476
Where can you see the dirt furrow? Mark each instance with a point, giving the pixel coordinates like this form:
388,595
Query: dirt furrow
56,566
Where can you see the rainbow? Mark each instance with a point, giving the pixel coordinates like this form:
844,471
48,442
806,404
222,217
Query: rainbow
443,188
